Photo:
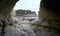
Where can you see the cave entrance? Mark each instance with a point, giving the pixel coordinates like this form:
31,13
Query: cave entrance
27,8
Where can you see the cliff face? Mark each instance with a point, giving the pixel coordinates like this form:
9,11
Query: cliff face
26,13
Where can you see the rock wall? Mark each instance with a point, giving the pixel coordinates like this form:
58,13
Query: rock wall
6,7
49,15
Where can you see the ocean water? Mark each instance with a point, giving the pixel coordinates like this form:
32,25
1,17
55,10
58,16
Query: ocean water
19,29
25,29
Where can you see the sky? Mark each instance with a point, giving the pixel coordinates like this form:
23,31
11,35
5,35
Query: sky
32,5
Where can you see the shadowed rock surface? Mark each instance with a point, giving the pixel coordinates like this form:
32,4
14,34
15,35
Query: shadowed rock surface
6,7
49,14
